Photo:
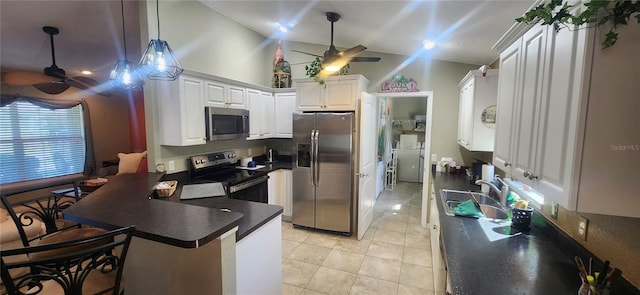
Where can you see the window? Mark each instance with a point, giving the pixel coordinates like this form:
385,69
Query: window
39,141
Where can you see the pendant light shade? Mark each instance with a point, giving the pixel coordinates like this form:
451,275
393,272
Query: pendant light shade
125,74
158,61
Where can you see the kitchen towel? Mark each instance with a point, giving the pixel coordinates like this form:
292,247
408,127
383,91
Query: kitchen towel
468,209
487,174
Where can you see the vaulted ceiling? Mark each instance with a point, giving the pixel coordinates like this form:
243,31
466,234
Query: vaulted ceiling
90,31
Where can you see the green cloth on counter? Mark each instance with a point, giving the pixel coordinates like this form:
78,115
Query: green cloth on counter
468,209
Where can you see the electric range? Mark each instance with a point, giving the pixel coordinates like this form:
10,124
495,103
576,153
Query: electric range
239,184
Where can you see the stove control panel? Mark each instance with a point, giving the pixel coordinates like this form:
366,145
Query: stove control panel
214,159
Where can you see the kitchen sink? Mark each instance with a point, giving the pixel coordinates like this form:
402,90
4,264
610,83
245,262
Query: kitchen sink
490,207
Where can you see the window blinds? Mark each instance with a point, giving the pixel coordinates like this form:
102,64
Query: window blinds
37,142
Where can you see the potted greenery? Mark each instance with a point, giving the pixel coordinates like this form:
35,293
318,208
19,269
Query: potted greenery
596,13
314,70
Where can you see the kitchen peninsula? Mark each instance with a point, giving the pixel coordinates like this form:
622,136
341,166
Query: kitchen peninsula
187,247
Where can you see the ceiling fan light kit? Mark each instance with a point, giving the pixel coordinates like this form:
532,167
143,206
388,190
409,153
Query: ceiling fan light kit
333,60
125,74
158,61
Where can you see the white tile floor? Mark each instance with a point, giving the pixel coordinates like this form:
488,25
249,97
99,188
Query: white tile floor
393,258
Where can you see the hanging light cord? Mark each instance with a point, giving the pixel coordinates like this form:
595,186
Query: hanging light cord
158,16
124,36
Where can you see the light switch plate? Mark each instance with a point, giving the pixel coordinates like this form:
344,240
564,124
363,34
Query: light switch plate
583,226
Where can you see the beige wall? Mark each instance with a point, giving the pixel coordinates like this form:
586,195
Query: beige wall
208,42
109,119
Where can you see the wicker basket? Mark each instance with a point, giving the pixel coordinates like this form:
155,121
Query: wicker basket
167,192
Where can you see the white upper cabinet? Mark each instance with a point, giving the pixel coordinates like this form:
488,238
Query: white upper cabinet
260,114
477,109
338,93
181,111
284,106
507,94
574,118
527,111
223,95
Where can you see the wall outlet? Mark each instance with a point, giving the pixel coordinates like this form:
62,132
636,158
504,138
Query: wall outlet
160,167
583,225
434,158
172,165
554,210
249,152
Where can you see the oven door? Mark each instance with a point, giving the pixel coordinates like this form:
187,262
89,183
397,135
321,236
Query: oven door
256,190
222,124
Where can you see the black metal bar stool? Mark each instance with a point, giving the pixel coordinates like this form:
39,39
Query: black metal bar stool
91,265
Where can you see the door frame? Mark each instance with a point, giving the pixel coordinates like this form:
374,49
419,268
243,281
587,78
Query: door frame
426,175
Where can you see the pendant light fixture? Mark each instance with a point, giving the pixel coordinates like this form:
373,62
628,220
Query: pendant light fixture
125,74
158,61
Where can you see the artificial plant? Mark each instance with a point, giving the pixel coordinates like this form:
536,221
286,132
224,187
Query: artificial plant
596,13
314,70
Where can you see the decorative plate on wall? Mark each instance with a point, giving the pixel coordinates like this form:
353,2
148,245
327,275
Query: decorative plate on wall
488,117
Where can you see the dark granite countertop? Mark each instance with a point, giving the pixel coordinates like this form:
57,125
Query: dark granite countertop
255,214
538,261
125,201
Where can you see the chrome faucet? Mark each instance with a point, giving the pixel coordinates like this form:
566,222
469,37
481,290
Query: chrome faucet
502,193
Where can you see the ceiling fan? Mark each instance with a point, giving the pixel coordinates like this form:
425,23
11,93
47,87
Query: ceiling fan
53,80
333,59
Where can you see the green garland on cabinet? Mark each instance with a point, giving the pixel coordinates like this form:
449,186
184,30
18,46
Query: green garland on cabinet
596,13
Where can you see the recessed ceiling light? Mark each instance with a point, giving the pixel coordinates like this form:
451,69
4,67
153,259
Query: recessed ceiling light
428,44
87,72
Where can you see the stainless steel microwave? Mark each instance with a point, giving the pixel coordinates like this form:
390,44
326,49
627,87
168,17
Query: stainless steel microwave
225,124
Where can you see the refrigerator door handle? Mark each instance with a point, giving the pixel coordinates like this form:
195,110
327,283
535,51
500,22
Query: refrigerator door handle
317,167
313,159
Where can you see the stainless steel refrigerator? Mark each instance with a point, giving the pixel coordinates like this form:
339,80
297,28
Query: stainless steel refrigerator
323,170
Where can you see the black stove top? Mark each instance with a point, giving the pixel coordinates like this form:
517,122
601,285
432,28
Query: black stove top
221,167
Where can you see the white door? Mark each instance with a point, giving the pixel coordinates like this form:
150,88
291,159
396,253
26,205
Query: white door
367,162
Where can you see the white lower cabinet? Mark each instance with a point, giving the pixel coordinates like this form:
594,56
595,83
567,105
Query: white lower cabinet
567,118
280,191
259,260
440,280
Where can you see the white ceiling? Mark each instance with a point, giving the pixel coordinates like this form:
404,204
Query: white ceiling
464,30
90,31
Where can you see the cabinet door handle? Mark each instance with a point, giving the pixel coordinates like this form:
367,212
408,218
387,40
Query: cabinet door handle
507,164
435,226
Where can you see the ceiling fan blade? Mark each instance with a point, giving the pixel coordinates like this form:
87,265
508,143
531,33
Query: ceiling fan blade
301,63
52,88
86,83
353,50
26,78
298,51
365,59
